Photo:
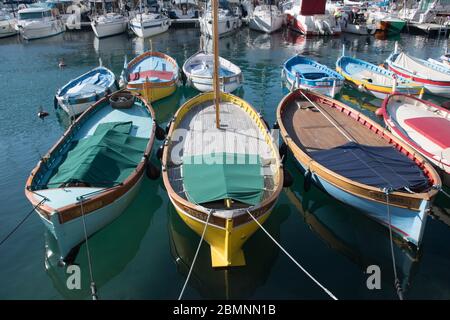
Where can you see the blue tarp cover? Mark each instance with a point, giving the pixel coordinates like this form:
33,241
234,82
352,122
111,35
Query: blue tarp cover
382,167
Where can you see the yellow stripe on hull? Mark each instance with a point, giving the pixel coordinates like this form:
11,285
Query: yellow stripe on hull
225,243
154,94
412,89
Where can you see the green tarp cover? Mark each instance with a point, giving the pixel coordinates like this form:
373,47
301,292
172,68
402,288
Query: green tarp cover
104,159
219,176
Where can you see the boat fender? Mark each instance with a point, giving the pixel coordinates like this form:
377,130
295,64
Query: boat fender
160,151
159,132
228,24
361,88
288,181
379,112
307,181
183,78
55,102
152,171
283,152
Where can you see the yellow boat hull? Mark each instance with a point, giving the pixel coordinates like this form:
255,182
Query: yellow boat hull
225,243
153,94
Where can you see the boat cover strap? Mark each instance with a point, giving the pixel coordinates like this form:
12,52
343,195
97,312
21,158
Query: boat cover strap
104,159
433,128
212,177
381,167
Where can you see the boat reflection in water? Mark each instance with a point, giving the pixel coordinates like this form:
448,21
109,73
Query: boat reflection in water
358,238
225,283
111,249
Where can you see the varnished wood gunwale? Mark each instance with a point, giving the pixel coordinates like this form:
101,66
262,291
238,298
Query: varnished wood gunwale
199,212
149,84
399,199
73,211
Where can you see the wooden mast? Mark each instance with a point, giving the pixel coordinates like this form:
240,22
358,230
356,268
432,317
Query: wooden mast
216,81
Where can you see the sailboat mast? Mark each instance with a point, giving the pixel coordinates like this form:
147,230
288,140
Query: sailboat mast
216,80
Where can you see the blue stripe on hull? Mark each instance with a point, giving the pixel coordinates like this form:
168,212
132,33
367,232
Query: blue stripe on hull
410,223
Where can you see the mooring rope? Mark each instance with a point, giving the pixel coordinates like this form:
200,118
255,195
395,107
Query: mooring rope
195,256
445,193
22,221
397,285
93,287
328,292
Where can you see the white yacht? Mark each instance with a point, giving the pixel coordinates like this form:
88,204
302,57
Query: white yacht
7,24
266,18
148,22
109,24
228,22
39,22
184,10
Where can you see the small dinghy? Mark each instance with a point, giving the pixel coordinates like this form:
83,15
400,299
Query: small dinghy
199,73
433,76
95,170
155,75
374,79
358,162
424,126
305,73
78,94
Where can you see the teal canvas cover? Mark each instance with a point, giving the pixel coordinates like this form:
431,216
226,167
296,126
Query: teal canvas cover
104,159
220,176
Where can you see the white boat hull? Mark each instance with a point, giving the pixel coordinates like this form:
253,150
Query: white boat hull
266,24
148,29
206,85
74,110
102,30
328,91
42,30
71,233
314,25
359,29
225,26
7,29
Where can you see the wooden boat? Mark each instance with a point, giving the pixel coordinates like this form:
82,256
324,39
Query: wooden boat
356,161
374,79
94,170
78,94
221,168
199,73
424,126
154,75
305,73
434,77
229,225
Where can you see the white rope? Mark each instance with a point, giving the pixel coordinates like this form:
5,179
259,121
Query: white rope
195,257
93,288
331,121
445,193
293,260
394,265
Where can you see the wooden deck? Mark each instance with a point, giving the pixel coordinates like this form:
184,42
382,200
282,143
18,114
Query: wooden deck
312,131
238,133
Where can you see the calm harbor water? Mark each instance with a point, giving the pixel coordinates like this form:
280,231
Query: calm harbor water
147,251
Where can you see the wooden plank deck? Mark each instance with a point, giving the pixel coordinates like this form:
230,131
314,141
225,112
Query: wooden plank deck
313,131
238,133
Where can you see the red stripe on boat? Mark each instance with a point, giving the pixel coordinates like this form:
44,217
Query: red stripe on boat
421,80
163,75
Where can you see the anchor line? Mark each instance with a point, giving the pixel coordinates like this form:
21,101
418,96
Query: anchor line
93,286
195,256
328,292
22,221
397,285
445,193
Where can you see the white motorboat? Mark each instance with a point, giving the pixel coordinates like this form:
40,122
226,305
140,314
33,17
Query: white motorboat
266,18
39,22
